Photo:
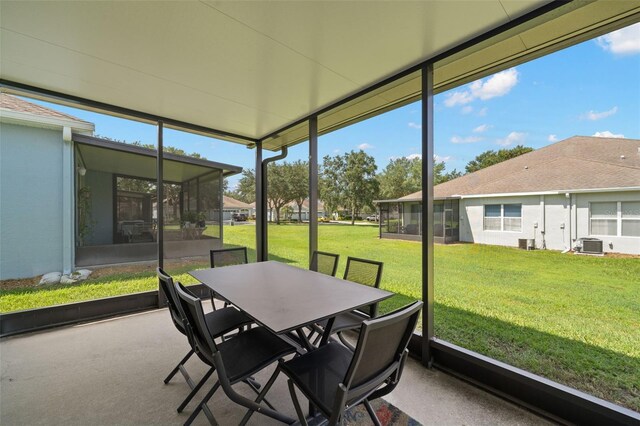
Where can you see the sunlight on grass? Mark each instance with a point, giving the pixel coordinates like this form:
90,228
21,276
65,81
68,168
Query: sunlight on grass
573,319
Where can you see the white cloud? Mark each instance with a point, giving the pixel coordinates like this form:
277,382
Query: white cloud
365,146
337,151
458,98
415,125
482,112
481,128
512,138
594,115
467,139
625,41
552,138
467,109
497,85
607,134
440,159
412,156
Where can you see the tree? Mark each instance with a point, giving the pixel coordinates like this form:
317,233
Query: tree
278,187
298,175
351,178
331,191
246,189
489,158
402,176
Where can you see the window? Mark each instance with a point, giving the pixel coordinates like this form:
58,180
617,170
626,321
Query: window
503,217
621,219
630,217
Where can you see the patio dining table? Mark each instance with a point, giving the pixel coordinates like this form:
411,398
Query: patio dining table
284,298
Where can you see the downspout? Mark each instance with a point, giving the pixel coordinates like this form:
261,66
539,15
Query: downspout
263,200
68,207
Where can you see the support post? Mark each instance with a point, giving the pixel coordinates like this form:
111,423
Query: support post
313,185
160,209
427,212
260,206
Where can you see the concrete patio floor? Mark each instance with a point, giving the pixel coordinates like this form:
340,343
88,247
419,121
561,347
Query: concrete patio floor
110,372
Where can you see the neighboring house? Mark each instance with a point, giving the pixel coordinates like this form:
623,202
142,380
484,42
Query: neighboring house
68,199
581,187
293,206
232,206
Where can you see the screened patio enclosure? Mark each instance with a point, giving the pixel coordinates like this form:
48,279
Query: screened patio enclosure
269,75
402,219
117,203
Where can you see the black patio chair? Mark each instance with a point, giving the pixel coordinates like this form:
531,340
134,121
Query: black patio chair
325,263
226,257
220,323
334,379
361,271
235,360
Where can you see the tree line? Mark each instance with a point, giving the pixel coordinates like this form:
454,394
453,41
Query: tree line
350,182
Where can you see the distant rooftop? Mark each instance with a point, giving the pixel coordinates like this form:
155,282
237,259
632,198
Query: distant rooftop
577,163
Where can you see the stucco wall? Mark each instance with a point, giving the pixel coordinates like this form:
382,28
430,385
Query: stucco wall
564,220
31,206
630,245
472,219
101,187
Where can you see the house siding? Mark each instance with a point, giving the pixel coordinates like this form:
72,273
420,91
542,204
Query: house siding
629,245
472,220
31,201
563,219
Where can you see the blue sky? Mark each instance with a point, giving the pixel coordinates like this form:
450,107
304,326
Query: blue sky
589,89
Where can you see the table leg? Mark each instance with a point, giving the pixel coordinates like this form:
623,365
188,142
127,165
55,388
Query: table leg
327,331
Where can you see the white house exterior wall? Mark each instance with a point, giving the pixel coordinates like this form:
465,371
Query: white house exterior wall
630,245
472,220
563,220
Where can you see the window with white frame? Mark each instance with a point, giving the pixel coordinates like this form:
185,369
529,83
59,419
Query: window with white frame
621,218
503,217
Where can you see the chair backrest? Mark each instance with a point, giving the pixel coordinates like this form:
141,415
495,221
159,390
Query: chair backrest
228,257
366,272
195,324
380,349
166,283
325,263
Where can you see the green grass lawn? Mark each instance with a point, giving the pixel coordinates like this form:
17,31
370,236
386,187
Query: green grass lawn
573,319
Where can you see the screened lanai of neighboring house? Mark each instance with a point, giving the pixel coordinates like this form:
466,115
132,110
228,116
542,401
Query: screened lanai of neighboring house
270,75
117,203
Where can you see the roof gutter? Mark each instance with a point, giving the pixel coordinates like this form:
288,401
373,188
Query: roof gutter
555,192
263,197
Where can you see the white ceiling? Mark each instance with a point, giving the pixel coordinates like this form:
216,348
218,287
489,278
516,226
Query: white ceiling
244,67
252,67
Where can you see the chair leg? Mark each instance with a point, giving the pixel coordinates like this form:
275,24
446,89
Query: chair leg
371,412
256,389
202,404
261,396
195,389
296,404
175,370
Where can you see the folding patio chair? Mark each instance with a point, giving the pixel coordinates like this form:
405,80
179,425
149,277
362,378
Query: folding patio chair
220,322
334,379
226,257
325,263
365,272
235,360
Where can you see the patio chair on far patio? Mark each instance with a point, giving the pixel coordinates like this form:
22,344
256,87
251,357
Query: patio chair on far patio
325,263
234,360
219,322
335,379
